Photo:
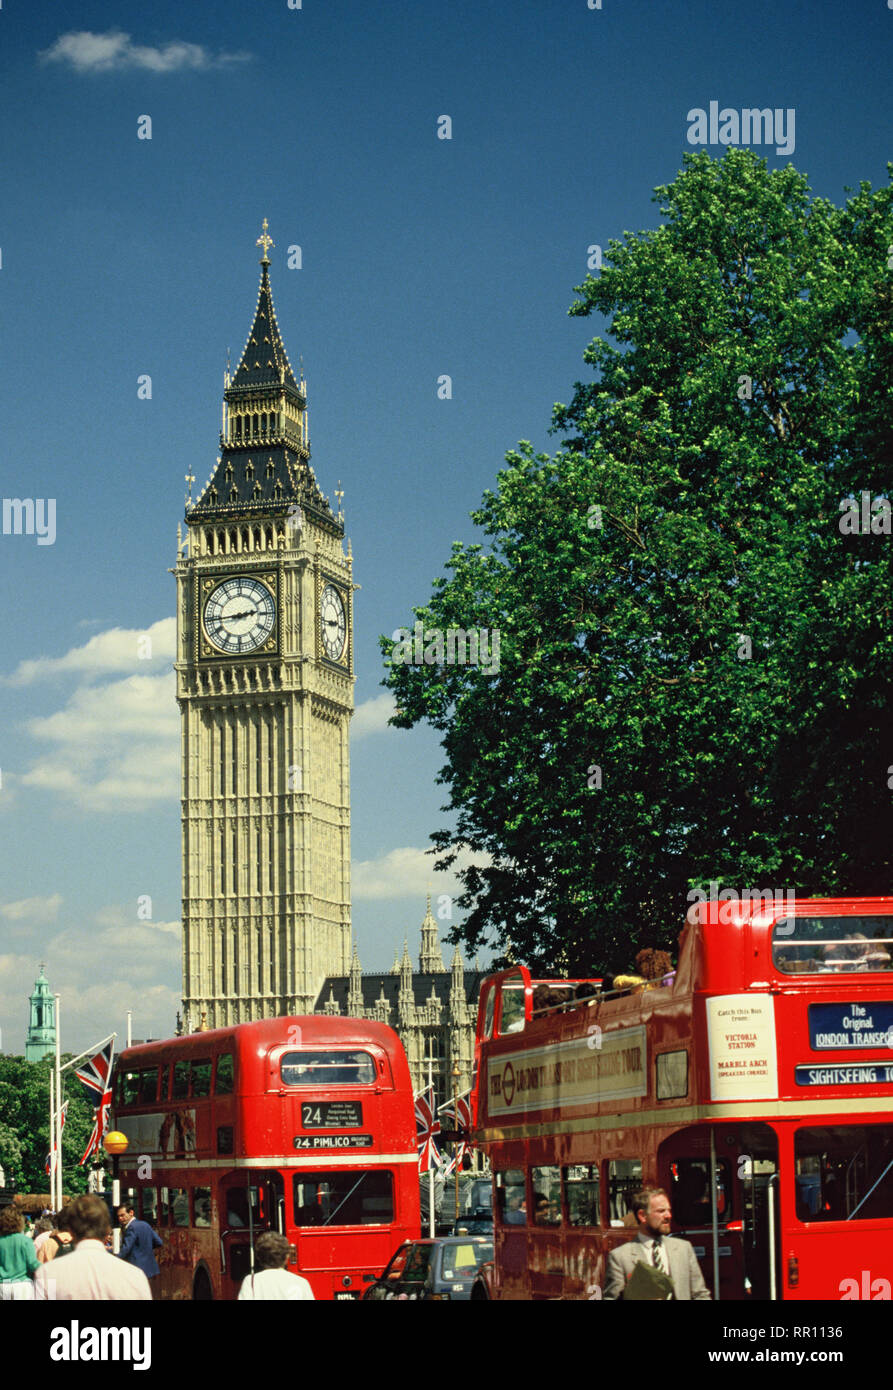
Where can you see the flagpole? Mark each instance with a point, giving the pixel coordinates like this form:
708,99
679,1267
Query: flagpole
431,1153
57,1130
52,1141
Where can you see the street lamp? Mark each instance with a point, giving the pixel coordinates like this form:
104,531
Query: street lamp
115,1144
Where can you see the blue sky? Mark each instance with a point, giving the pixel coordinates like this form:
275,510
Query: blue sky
421,257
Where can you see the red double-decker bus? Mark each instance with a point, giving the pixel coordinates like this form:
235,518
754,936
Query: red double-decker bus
299,1125
755,1086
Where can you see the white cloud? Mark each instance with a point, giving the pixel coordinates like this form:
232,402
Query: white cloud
114,51
119,649
33,909
407,873
114,747
372,716
100,971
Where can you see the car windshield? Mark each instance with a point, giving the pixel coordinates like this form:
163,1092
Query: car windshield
461,1261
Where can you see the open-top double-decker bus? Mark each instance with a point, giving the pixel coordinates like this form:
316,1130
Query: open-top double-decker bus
755,1086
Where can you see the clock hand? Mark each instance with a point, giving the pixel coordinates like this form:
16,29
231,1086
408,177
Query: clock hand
248,613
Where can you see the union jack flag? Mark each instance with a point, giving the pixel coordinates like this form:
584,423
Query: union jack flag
95,1076
50,1163
427,1127
458,1116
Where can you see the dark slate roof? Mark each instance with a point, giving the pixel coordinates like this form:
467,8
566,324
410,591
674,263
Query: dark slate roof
337,986
264,360
245,483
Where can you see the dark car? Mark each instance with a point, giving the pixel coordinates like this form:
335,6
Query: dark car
433,1270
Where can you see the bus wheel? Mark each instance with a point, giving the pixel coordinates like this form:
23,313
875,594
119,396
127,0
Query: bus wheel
201,1287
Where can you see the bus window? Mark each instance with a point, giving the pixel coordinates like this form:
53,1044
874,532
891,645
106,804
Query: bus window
201,1078
512,1015
511,1197
224,1139
489,1011
179,1206
327,1069
545,1186
148,1086
128,1087
180,1087
832,945
844,1173
581,1194
624,1178
201,1205
690,1191
164,1209
267,1201
223,1084
349,1198
149,1205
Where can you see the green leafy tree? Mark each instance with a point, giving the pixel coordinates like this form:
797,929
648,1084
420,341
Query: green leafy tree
25,1126
695,662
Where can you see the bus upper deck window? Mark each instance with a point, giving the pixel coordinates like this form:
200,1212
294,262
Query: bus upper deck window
223,1083
201,1078
488,1012
512,1016
323,1069
832,945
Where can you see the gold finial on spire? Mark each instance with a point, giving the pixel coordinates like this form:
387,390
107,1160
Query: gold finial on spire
189,479
339,493
266,242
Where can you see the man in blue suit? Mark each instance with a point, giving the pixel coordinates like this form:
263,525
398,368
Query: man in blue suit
139,1243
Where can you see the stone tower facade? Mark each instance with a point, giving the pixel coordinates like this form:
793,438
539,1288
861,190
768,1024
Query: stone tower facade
41,1038
265,681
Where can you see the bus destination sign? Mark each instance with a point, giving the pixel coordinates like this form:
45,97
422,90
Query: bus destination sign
331,1114
866,1074
851,1026
332,1141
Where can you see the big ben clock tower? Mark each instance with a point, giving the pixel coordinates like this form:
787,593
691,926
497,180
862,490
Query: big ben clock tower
265,688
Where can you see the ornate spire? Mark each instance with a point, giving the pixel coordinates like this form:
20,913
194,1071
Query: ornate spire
264,464
430,959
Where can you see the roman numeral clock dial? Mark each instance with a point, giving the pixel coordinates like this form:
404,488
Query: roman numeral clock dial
332,623
240,615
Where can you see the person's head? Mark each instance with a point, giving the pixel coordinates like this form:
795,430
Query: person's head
271,1251
42,1224
12,1222
125,1214
60,1221
88,1218
652,1211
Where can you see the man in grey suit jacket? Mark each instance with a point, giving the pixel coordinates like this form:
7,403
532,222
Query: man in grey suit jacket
655,1245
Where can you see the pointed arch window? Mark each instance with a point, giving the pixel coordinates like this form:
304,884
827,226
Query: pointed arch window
213,494
234,494
258,491
249,469
271,468
229,471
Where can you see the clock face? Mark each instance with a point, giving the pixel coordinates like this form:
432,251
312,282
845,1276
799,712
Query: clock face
240,615
332,623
